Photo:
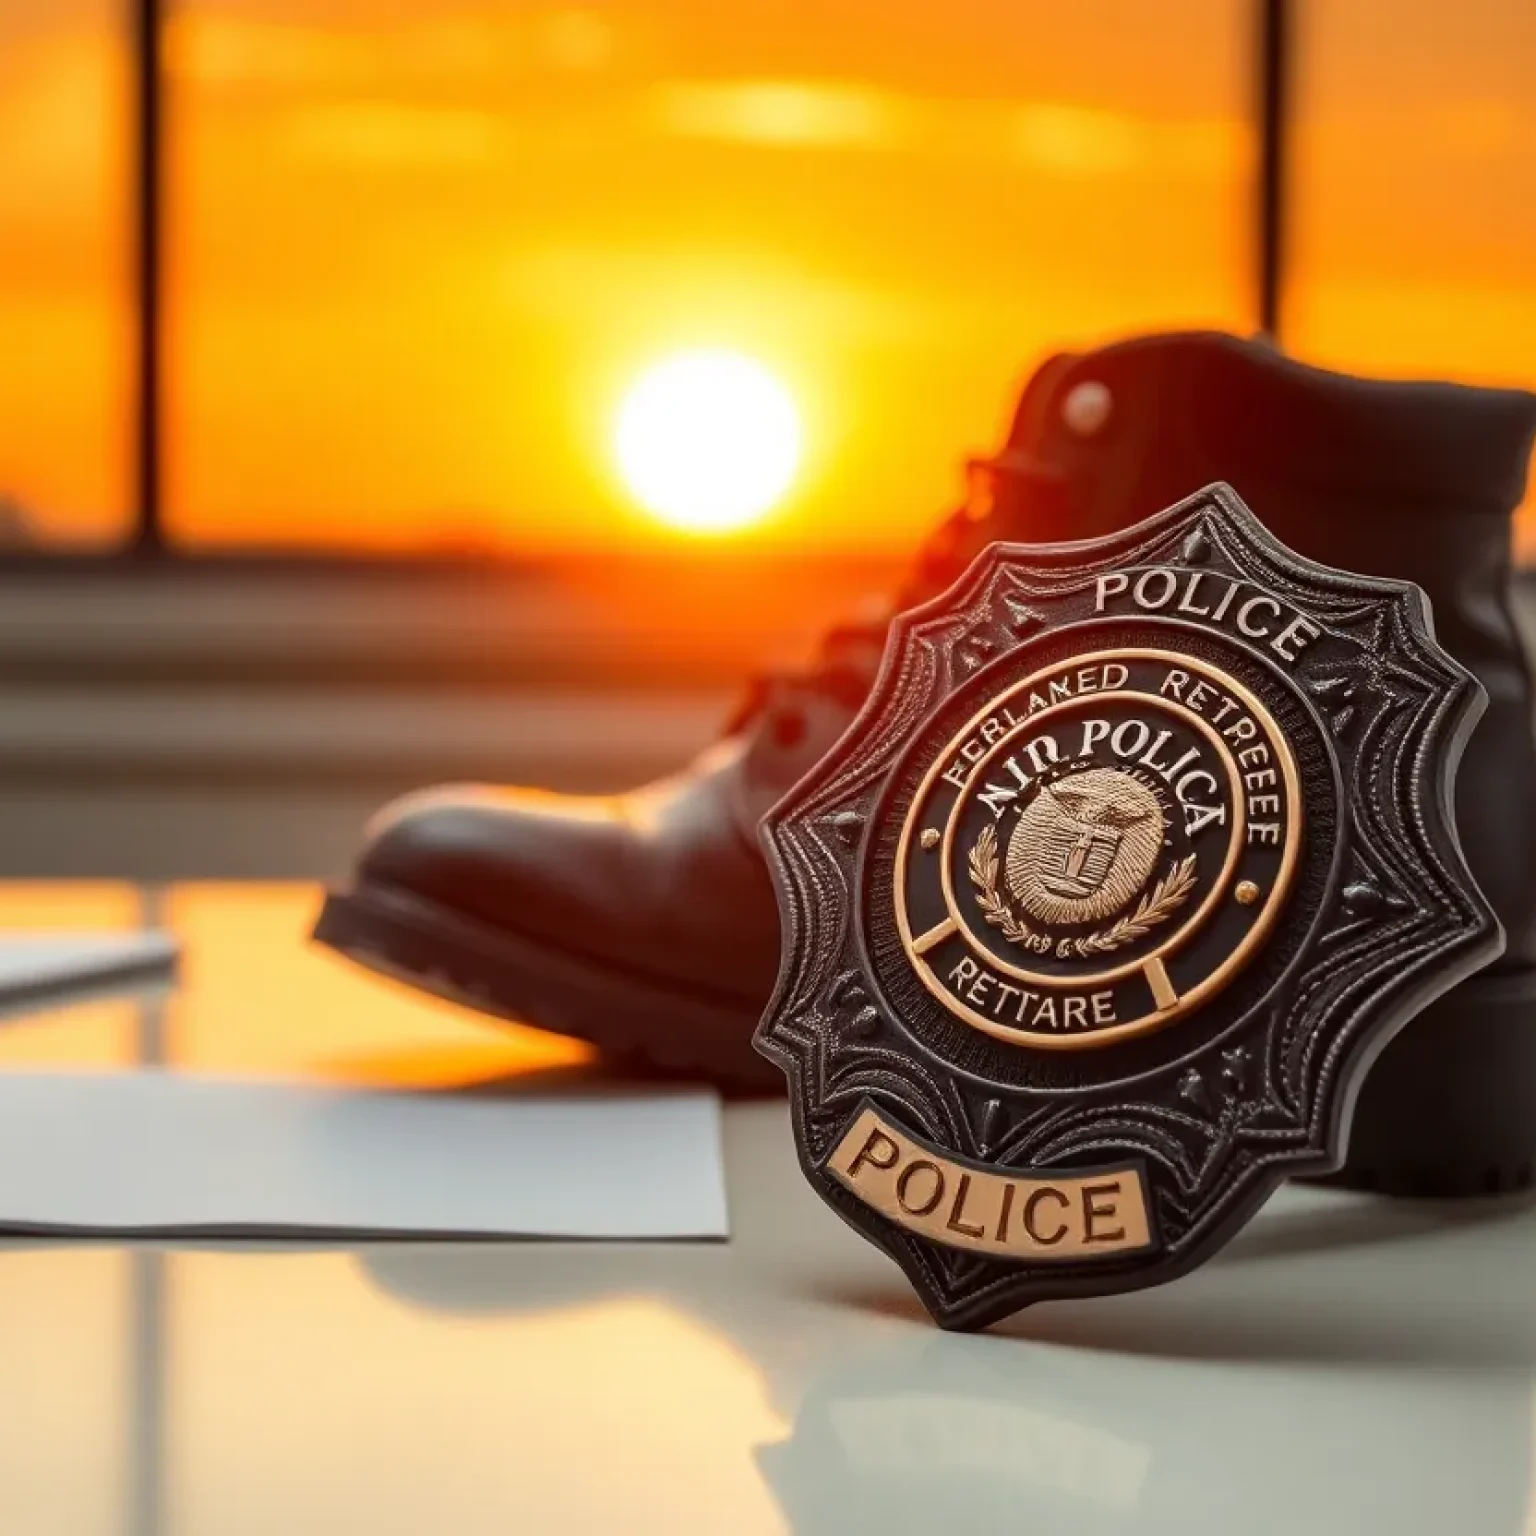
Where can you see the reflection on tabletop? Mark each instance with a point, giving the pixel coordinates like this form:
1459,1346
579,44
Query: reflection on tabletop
253,998
1348,1365
1345,1367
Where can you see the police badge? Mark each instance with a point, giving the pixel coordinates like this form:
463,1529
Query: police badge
1139,852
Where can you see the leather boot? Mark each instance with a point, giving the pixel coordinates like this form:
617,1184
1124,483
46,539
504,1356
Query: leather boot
645,923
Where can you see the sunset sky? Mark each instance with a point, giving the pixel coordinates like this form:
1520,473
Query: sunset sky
418,252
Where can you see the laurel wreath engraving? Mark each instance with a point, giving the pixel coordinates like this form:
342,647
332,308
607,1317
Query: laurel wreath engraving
983,866
1159,904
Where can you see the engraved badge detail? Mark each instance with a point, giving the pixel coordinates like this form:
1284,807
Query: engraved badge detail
1096,821
1077,965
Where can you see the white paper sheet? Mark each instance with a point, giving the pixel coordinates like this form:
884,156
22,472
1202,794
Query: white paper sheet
34,966
167,1153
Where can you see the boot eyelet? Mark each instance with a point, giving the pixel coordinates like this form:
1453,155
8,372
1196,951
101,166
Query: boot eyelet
1087,407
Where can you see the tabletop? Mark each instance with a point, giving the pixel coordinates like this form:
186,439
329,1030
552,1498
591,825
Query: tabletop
1348,1364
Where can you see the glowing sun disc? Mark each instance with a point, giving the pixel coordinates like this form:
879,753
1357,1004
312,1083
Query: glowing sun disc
707,441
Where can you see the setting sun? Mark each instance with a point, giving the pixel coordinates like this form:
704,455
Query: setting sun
708,441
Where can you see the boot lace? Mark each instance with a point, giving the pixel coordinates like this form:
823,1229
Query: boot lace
843,665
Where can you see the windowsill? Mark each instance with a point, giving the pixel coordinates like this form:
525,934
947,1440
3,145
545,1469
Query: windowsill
159,675
691,621
221,673
160,725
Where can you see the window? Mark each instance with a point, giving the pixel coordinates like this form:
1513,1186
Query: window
1415,192
65,320
416,255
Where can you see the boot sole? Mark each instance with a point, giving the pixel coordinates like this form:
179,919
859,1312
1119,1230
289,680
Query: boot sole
633,1019
1449,1108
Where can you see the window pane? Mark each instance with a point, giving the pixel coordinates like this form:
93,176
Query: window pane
1415,191
64,314
420,251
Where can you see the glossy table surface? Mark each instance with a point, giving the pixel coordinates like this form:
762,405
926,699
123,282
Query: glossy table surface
1347,1365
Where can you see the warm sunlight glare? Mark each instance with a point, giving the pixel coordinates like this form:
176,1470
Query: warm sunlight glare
708,441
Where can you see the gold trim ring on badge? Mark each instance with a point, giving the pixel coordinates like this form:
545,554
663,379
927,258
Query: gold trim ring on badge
1148,965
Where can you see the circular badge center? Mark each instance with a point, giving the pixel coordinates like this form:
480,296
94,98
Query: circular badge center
1099,849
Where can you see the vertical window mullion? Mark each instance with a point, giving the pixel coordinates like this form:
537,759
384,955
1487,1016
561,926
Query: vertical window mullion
1274,24
148,274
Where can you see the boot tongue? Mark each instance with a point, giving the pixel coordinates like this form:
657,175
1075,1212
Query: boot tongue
1014,497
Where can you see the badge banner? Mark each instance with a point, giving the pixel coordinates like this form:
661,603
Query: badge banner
1045,1215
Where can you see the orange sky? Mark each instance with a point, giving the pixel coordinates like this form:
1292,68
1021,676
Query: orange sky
417,250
